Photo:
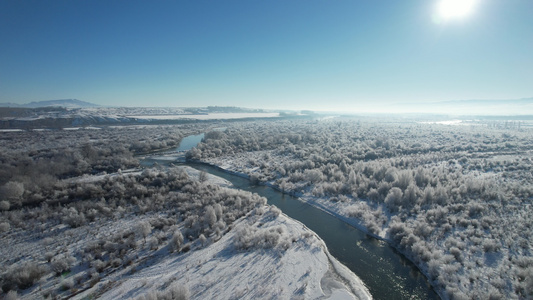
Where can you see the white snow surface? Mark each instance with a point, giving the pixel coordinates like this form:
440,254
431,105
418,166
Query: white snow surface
305,270
220,270
210,116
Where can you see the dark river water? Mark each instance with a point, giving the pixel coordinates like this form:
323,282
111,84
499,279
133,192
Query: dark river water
386,273
189,142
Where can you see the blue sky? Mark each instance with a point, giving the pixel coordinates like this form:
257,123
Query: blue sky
328,55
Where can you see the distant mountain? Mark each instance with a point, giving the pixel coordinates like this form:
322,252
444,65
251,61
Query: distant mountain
9,104
68,103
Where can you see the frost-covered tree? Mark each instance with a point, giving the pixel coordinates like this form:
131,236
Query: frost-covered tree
431,179
176,241
210,216
143,229
394,199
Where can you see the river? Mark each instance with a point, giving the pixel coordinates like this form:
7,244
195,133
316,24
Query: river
386,272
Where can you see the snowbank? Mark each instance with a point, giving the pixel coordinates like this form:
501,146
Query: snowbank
298,265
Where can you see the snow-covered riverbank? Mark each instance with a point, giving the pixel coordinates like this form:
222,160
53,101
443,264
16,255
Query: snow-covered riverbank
129,254
297,266
343,211
284,260
457,247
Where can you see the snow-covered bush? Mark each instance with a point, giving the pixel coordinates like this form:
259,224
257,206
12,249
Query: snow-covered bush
98,265
12,295
66,284
394,199
23,276
4,205
62,264
143,229
72,218
177,292
252,238
174,292
176,241
4,227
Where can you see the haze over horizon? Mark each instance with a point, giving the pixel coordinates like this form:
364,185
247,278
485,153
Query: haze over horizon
336,56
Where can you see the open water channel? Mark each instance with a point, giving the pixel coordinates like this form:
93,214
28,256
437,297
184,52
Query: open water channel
385,271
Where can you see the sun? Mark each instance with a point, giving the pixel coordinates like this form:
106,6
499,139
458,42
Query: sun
452,9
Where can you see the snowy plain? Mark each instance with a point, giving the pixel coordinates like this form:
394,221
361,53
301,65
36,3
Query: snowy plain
210,116
304,270
263,255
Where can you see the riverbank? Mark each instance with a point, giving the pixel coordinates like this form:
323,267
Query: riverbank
388,273
222,270
328,207
134,254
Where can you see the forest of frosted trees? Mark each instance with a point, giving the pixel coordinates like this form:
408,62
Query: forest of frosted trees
57,224
455,199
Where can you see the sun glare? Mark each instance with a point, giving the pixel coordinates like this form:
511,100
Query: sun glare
450,9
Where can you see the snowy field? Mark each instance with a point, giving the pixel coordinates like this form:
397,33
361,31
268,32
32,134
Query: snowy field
125,254
210,116
301,268
106,116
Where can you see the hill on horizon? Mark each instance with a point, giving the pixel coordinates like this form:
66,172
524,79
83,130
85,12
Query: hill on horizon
67,103
468,107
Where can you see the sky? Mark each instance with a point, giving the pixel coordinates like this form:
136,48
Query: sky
312,54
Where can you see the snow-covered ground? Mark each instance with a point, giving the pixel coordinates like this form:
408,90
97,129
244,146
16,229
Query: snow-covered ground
72,118
211,116
264,254
299,266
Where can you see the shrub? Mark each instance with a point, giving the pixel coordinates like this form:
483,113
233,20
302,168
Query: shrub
174,292
210,216
72,218
23,276
4,205
491,246
203,176
397,231
202,239
98,265
176,241
48,256
456,252
12,295
254,179
62,264
12,190
4,227
248,237
143,229
186,247
178,292
66,284
394,198
275,211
